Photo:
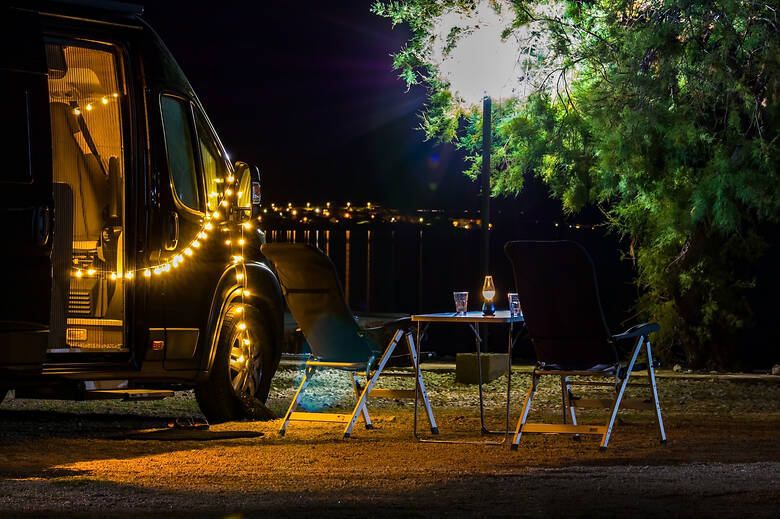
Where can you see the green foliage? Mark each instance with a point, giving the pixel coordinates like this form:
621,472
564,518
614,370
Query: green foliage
669,122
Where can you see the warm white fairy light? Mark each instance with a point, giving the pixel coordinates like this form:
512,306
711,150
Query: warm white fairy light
176,260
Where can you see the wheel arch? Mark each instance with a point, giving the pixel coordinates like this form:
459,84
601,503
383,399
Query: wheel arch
265,294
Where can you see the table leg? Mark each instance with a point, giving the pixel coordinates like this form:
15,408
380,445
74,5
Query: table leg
417,376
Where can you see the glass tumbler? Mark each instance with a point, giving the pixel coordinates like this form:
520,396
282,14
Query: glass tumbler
461,302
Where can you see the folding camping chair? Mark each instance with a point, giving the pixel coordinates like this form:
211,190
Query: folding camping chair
556,283
316,300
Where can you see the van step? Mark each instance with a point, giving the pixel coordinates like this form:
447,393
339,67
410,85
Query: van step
127,394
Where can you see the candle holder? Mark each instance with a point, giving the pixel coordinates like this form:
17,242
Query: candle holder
488,294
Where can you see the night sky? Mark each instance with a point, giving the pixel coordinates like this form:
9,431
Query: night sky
306,91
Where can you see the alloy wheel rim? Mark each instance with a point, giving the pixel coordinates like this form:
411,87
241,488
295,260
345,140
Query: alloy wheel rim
245,364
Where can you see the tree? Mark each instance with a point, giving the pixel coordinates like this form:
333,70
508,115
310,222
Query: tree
664,113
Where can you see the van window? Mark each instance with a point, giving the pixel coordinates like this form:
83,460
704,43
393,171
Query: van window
214,165
177,127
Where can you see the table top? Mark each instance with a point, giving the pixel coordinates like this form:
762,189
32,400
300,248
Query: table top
501,316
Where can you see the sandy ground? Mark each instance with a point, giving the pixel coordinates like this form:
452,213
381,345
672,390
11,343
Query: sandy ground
722,459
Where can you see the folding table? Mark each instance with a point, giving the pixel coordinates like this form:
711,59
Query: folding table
473,319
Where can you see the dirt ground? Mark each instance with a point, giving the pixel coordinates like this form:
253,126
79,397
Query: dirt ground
722,459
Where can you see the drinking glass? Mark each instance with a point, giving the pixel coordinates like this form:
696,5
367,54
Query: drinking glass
514,305
461,302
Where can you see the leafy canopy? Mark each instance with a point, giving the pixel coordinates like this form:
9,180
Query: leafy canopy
663,112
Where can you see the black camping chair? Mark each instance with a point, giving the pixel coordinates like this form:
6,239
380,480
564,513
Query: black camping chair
556,283
316,300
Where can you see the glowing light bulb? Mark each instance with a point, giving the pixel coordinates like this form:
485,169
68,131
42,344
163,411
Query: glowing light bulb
239,276
147,273
246,292
231,178
219,180
179,258
228,192
157,270
105,100
241,241
202,235
247,225
89,107
208,226
238,259
129,275
239,309
78,273
224,203
196,244
488,289
167,267
240,359
91,272
228,242
113,275
76,111
247,342
188,251
242,326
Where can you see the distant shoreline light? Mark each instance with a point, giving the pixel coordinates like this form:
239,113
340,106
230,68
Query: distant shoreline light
349,214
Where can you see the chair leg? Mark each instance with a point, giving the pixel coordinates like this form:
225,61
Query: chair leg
420,383
619,396
564,398
361,404
526,408
568,405
307,374
356,386
651,377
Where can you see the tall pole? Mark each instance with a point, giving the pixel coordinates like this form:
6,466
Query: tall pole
487,142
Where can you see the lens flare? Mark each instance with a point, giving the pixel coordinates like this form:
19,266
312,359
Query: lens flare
478,52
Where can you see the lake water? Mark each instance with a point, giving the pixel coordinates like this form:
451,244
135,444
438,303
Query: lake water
414,269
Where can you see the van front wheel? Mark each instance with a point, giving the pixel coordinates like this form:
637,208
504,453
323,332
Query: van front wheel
243,366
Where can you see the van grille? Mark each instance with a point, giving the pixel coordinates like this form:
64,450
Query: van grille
80,301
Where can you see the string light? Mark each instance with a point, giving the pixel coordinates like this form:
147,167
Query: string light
176,260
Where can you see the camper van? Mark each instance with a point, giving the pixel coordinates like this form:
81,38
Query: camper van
130,248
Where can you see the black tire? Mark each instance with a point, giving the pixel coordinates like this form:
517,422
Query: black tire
240,378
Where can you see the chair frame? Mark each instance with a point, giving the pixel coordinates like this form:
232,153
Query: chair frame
363,394
621,381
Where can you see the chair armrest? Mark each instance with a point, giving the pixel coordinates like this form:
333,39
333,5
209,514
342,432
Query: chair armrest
404,323
636,331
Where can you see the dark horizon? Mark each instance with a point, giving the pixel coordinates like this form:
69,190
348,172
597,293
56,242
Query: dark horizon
311,98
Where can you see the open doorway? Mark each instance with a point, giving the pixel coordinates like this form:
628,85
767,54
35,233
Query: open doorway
88,254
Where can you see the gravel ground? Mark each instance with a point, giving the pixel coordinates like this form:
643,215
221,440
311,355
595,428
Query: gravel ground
75,458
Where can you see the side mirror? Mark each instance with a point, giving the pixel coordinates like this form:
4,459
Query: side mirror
248,189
